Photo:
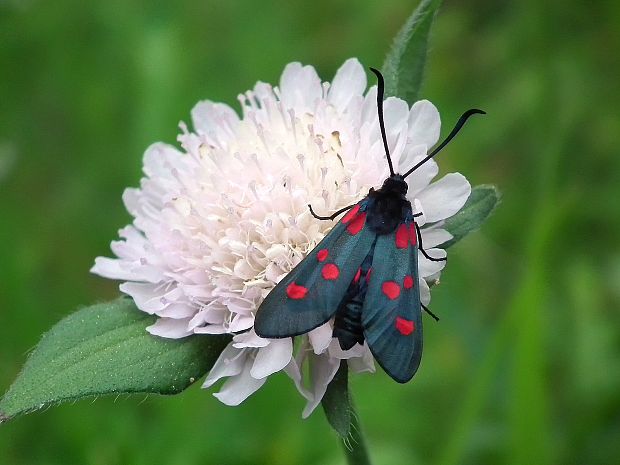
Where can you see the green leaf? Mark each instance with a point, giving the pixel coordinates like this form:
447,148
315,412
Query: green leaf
337,402
479,206
105,349
404,64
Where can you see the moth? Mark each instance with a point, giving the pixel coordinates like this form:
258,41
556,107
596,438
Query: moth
364,274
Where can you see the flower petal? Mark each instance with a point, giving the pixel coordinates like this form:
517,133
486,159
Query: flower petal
300,87
112,268
159,158
272,358
336,351
428,267
424,123
178,310
210,329
323,368
320,338
249,339
434,237
421,177
230,363
148,297
241,323
349,82
364,363
213,118
294,372
425,292
238,388
170,327
444,198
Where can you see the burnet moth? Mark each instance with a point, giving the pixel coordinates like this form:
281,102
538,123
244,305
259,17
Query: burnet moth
364,274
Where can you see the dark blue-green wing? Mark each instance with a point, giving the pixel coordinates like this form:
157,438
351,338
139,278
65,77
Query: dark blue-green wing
310,294
391,315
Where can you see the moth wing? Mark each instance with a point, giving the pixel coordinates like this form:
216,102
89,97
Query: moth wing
310,294
391,314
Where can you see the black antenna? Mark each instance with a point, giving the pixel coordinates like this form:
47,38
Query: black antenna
459,124
380,92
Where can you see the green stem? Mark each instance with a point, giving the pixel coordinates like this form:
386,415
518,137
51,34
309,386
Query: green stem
355,445
341,415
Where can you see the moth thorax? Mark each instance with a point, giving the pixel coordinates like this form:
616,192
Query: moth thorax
395,183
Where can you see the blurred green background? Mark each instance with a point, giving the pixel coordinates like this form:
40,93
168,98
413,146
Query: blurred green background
524,366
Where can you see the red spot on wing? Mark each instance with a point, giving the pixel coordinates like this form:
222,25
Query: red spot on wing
322,255
357,276
330,272
357,224
408,282
368,274
350,214
391,289
295,291
402,237
404,327
413,236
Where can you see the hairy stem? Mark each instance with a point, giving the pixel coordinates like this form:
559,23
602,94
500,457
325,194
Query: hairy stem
355,444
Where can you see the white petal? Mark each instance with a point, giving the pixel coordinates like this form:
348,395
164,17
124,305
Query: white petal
112,268
335,351
159,158
209,315
322,370
434,278
363,364
421,177
425,292
241,323
264,91
249,339
350,81
272,358
300,87
210,329
417,210
230,363
434,237
178,310
369,107
170,327
396,112
131,199
293,371
238,388
320,338
424,123
147,297
444,198
428,267
210,118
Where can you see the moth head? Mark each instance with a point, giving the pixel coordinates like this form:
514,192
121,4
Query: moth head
395,183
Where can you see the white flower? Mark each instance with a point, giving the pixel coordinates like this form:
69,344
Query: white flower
219,222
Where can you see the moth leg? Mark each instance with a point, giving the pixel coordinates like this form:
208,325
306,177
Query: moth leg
429,312
424,251
331,217
415,215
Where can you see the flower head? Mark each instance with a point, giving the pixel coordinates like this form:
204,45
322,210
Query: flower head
220,221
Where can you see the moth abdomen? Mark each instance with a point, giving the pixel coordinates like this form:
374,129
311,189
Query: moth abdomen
348,327
348,323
